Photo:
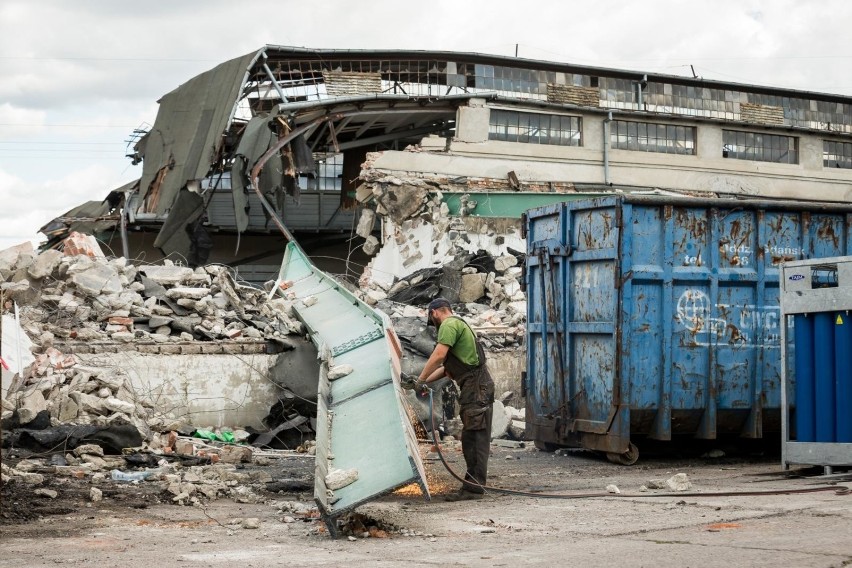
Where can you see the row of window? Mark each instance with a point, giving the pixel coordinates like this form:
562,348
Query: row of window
533,128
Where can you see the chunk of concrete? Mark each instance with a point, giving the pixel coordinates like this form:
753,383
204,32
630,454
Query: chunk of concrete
91,449
32,403
679,482
472,287
97,279
499,420
502,263
168,275
371,245
96,495
117,405
339,371
159,321
339,478
366,223
187,293
235,454
44,264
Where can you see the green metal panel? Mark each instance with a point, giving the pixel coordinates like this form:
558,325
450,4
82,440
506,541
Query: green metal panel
361,418
508,204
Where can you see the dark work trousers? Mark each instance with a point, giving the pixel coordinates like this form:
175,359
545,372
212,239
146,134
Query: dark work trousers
476,447
476,399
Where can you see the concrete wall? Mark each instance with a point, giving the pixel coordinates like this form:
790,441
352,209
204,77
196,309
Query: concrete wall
707,170
204,390
506,368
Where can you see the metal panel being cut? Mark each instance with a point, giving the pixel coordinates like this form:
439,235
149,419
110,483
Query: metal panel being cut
362,424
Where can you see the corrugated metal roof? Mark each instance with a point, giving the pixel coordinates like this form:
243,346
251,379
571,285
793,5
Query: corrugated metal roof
361,419
188,130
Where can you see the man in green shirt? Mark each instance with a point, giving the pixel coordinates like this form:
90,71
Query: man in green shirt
460,356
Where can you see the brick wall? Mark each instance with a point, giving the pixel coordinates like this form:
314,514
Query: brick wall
569,94
762,114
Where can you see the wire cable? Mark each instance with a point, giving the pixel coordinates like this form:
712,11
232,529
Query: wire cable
837,489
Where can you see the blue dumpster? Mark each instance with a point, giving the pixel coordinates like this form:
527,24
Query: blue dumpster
657,316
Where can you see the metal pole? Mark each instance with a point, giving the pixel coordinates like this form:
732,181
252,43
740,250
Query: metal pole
125,250
274,80
606,139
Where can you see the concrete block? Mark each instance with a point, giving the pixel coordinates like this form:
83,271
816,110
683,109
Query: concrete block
44,264
679,482
188,293
366,223
96,280
472,287
499,420
502,263
168,275
339,371
339,478
32,403
235,454
118,405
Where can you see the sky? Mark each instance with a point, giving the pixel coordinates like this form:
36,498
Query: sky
77,77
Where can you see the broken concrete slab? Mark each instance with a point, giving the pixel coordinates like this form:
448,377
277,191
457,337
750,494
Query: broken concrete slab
499,420
44,264
168,275
31,403
97,279
472,287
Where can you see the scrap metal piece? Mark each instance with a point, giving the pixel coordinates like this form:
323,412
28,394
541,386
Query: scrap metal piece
361,419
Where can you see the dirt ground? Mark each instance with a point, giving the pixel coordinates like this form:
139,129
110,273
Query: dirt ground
136,524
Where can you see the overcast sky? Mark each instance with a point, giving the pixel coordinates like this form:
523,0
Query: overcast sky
76,77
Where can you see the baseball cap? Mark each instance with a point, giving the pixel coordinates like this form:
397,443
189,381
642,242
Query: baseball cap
434,305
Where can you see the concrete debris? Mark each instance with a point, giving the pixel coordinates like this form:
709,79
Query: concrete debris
96,495
339,371
714,454
339,478
656,484
613,489
48,493
679,482
499,420
74,394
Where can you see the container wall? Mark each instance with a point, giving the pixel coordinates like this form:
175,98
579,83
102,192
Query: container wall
671,314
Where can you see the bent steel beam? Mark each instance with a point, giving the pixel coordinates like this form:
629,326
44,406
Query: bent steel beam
362,424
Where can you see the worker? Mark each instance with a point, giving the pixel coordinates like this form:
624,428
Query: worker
459,356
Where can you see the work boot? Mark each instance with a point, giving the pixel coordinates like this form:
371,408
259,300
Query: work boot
464,495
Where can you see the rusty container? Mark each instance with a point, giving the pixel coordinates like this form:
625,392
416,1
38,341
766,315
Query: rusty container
653,317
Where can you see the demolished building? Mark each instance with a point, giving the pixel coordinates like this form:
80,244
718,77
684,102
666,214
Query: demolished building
436,155
404,173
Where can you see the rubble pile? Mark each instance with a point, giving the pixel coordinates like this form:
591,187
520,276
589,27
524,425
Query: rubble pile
58,387
468,261
88,298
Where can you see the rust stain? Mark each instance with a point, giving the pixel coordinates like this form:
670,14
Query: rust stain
825,231
716,527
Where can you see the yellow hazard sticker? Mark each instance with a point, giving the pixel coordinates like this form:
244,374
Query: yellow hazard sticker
839,320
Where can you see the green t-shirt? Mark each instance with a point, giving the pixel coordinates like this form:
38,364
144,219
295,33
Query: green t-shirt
459,337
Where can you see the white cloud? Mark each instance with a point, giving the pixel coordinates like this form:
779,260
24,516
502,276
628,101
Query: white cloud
103,64
28,206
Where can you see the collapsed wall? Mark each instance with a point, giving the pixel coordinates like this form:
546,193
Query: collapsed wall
423,251
156,346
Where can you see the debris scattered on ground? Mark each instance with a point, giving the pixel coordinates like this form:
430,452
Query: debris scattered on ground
679,482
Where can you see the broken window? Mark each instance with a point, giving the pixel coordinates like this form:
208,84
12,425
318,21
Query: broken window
836,154
329,174
534,128
760,147
651,137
